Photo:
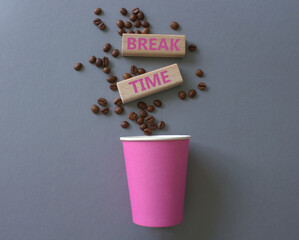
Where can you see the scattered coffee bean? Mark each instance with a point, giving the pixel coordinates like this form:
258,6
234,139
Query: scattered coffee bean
141,71
131,31
199,73
174,25
145,30
152,126
97,21
147,131
105,61
133,17
140,15
95,109
106,70
157,103
192,47
97,11
150,119
126,76
105,110
133,69
115,53
125,124
121,31
141,105
120,23
192,93
102,102
137,32
113,87
137,24
143,113
132,116
143,126
78,66
111,79
99,62
107,47
182,95
102,26
145,23
135,10
150,108
128,24
139,120
119,110
202,86
161,125
92,59
123,11
117,101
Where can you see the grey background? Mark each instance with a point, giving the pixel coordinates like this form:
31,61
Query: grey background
62,173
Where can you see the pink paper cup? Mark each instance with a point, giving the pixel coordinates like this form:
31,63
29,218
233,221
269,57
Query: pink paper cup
156,172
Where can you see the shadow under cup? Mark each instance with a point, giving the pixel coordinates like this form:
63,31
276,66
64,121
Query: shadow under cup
156,171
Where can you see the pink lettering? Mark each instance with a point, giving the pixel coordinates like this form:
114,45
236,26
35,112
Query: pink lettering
152,44
174,44
163,44
150,82
142,42
142,84
134,85
131,43
163,76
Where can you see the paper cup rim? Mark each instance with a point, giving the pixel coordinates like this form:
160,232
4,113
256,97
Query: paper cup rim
155,138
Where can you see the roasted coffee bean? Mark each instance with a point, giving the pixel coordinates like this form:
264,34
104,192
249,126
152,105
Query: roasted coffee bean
145,23
133,17
199,73
117,101
99,62
126,75
102,26
141,105
133,69
192,93
121,31
78,66
157,103
145,30
147,131
111,79
97,11
125,124
137,32
143,126
95,109
113,87
128,24
137,24
141,71
105,61
140,15
131,31
174,25
132,116
202,86
119,110
161,125
120,23
143,113
92,59
123,11
135,10
139,120
152,126
182,95
150,119
106,70
192,47
107,47
150,108
115,53
97,21
102,102
104,110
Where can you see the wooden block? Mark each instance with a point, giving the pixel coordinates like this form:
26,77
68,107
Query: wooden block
149,83
153,45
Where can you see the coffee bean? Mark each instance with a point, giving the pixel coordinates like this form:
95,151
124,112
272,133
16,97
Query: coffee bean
102,102
105,110
121,31
192,93
120,23
137,24
161,125
107,47
113,87
78,66
131,31
137,32
102,26
147,131
133,17
174,25
143,113
145,24
128,24
97,21
141,71
119,110
145,30
126,75
150,119
106,70
140,15
152,126
139,120
135,10
192,47
105,61
150,108
133,69
117,101
92,59
111,79
99,62
123,11
141,105
199,73
143,126
125,124
132,116
182,95
95,109
115,53
157,103
97,11
202,86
